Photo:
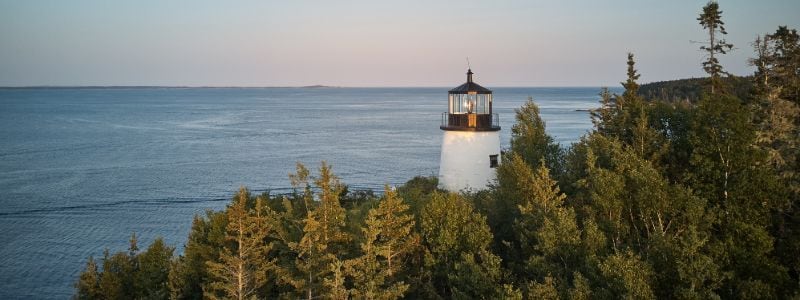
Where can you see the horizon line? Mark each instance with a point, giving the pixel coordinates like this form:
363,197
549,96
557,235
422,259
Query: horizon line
276,87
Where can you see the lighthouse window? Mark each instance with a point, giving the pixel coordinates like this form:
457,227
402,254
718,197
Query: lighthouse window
482,105
493,161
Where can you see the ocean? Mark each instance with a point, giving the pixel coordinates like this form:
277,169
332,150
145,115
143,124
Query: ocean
83,168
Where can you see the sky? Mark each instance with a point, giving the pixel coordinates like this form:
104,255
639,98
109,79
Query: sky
368,43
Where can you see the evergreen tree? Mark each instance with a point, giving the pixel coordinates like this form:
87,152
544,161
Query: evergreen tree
116,280
388,237
456,241
189,272
603,115
334,285
731,174
777,117
242,266
529,139
88,285
152,276
711,20
786,55
630,85
626,118
323,238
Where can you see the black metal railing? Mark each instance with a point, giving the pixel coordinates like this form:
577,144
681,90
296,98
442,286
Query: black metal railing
476,122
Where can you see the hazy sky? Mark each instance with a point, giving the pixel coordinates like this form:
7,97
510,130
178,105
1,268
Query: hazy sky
367,43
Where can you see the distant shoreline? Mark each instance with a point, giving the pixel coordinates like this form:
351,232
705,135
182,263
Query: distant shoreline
121,87
161,87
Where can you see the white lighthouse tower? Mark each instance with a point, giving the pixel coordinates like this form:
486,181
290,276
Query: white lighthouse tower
471,142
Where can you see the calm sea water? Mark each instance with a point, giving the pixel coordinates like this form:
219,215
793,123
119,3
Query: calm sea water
80,169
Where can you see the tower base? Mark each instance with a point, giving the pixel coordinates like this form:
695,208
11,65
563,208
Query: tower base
466,161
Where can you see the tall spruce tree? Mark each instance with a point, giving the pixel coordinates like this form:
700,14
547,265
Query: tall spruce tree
711,20
243,263
388,238
323,240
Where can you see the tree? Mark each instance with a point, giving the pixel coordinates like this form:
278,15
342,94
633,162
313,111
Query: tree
116,280
786,57
456,241
189,272
711,20
529,139
603,115
630,85
388,238
88,285
626,117
243,264
152,276
777,114
627,276
323,238
741,190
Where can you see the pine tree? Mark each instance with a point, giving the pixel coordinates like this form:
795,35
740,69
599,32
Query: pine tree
116,280
388,237
189,272
786,55
630,85
243,264
334,285
711,20
152,276
529,139
88,285
603,115
323,238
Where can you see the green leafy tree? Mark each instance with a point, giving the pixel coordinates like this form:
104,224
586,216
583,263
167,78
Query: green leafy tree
456,240
529,139
545,290
626,276
730,172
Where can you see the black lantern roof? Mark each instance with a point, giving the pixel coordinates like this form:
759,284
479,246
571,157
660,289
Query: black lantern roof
470,87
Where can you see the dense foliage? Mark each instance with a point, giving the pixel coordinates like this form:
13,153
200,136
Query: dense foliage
662,200
690,90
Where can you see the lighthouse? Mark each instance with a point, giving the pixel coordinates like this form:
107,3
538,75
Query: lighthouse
471,141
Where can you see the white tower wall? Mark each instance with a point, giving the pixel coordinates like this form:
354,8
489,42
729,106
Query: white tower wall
465,160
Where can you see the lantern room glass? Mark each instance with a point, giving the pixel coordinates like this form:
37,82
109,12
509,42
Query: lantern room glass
470,103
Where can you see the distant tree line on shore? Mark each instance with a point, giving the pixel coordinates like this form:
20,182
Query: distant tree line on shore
663,199
690,90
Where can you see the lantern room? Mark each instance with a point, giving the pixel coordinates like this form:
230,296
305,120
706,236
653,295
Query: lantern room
470,108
